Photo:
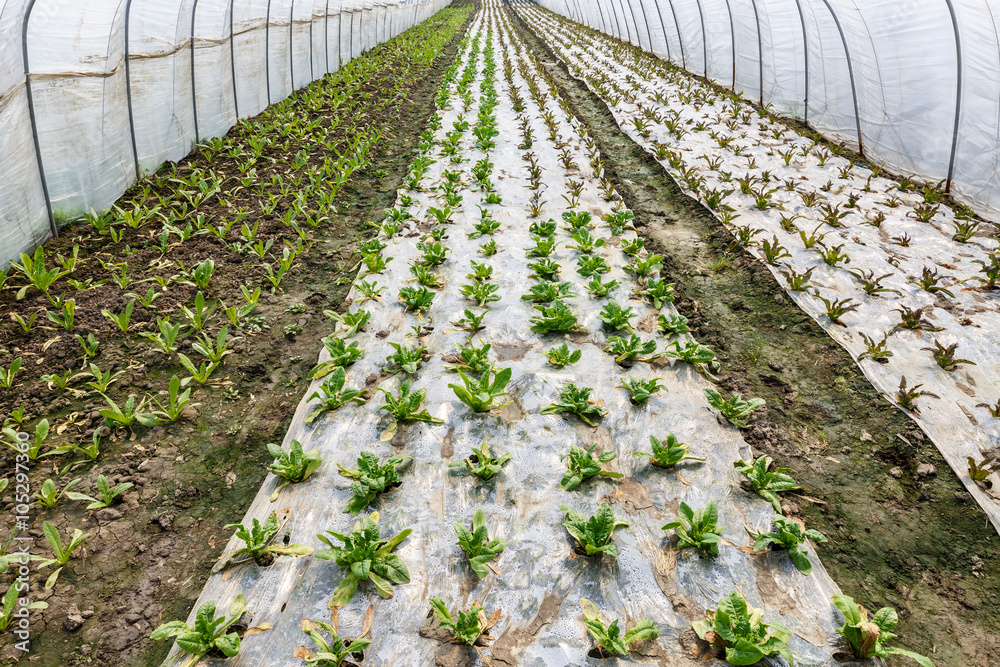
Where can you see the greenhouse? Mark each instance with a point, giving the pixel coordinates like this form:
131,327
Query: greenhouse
568,332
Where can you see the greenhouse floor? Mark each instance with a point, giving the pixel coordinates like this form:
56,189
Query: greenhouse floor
902,528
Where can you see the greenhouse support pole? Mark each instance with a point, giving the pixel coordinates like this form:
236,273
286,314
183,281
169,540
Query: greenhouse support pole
312,47
632,12
958,94
645,22
628,30
677,27
732,38
128,91
232,57
663,27
850,73
267,52
760,51
805,58
194,92
31,116
600,11
326,35
291,47
704,38
617,21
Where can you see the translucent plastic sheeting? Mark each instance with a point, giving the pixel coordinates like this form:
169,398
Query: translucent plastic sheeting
94,92
914,84
900,249
522,505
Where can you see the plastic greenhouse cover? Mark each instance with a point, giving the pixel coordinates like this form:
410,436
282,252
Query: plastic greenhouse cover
900,249
918,83
540,582
94,92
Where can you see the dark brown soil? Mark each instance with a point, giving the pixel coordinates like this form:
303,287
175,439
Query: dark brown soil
148,556
919,544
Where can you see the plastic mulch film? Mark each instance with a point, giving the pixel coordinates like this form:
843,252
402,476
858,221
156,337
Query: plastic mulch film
540,581
94,92
860,228
917,87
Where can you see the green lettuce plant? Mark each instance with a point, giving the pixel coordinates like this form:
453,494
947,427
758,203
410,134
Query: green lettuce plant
867,639
593,534
371,478
478,546
582,465
366,556
207,634
698,528
740,631
576,400
293,466
791,536
609,638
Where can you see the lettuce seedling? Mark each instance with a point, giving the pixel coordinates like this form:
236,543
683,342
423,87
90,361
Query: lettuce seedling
577,220
108,495
545,269
470,626
350,323
867,638
342,355
627,350
371,478
702,357
539,228
734,408
473,359
609,638
332,394
405,406
561,356
544,292
61,552
293,466
593,534
576,400
480,394
208,633
667,455
480,293
789,535
333,652
591,265
365,555
583,465
544,247
586,242
478,546
741,632
659,292
698,528
481,463
405,358
767,484
417,299
641,390
616,318
470,321
258,547
556,317
10,601
598,289
642,268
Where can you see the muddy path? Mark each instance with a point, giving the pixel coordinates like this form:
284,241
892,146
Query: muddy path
903,532
148,555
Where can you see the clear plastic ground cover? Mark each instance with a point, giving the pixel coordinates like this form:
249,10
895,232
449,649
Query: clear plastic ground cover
918,88
541,581
835,222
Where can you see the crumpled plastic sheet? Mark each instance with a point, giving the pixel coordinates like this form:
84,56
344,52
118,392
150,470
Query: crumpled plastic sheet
957,422
522,503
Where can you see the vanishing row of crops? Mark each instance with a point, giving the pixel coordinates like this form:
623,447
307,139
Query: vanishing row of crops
510,357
